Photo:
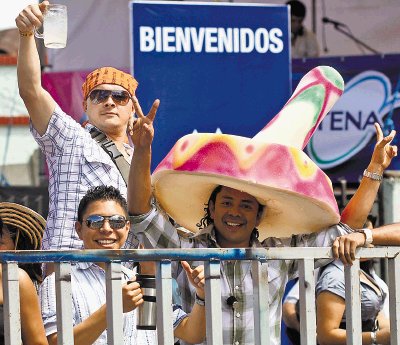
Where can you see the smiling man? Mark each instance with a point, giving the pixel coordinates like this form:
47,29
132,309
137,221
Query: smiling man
103,225
78,158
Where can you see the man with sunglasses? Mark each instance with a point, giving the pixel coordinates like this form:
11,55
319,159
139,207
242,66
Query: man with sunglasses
76,161
102,225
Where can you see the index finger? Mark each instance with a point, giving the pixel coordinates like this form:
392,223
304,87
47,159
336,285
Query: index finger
136,105
153,110
379,133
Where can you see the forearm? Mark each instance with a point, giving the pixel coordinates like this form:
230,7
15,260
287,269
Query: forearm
28,68
193,328
387,235
338,337
89,330
139,186
356,211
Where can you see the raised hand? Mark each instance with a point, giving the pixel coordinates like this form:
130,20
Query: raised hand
142,130
383,152
31,17
196,277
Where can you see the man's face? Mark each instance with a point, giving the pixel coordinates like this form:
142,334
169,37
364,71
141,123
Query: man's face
105,237
109,116
235,215
296,23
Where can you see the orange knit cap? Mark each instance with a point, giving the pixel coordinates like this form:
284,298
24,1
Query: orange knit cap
109,75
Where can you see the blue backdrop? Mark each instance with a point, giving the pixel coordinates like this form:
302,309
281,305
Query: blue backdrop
213,66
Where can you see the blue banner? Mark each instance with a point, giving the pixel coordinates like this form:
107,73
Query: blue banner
215,67
343,144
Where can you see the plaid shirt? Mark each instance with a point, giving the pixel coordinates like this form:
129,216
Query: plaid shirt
76,163
155,231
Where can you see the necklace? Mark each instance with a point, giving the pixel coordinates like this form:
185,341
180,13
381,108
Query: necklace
232,301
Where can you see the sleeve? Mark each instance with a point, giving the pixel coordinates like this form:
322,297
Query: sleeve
154,230
61,129
293,294
331,280
47,297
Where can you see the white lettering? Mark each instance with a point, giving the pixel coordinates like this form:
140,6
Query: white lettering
146,36
246,40
171,39
210,39
276,43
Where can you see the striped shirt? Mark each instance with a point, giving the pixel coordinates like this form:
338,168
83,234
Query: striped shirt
88,295
76,163
156,231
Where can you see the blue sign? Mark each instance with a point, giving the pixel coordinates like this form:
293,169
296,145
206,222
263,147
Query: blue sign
215,67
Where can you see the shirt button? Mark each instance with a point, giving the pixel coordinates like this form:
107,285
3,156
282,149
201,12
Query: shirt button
237,314
237,287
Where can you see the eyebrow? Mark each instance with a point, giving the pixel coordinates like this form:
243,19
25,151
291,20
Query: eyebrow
248,201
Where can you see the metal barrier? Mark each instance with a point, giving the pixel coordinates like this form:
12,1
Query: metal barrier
212,259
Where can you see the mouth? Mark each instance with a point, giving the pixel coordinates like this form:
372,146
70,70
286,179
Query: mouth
233,225
105,242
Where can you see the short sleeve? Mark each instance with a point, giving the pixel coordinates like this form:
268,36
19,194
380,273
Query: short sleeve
331,280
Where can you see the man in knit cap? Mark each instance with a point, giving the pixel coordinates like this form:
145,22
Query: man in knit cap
78,158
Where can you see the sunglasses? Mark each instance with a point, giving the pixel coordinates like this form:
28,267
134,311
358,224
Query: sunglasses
120,97
96,221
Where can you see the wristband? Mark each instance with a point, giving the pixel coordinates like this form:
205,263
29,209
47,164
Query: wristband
368,236
372,175
200,301
26,33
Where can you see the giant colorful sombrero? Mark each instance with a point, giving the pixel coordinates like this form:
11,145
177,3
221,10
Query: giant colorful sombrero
32,224
271,166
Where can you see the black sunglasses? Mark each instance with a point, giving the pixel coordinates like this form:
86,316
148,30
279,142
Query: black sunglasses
120,97
95,221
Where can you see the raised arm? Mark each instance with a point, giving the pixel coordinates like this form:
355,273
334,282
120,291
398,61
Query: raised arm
38,101
139,184
358,208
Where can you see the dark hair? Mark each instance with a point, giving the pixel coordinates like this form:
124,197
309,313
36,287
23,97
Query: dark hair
22,241
207,220
297,8
101,193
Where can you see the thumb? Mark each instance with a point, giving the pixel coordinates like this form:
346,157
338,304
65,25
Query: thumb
186,267
43,5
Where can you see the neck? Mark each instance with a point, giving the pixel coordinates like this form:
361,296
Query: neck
118,137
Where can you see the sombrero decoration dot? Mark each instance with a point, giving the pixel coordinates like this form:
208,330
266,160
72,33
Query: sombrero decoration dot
271,166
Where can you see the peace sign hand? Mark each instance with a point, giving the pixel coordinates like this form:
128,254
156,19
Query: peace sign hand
383,152
142,130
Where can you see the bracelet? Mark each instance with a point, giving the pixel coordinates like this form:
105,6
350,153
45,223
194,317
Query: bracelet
373,338
26,33
372,175
200,301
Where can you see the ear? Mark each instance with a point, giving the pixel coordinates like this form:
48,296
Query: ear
78,229
211,209
84,104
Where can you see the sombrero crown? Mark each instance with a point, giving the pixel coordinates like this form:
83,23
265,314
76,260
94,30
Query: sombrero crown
32,224
270,166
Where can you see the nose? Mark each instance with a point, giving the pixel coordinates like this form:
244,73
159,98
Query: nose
235,211
106,226
109,102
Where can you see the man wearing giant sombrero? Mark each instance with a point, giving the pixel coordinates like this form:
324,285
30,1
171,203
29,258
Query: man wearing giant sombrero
234,192
78,158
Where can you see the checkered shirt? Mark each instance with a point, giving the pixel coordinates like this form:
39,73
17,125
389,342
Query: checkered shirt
76,163
155,231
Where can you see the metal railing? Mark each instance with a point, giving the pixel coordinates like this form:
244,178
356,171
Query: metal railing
212,260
